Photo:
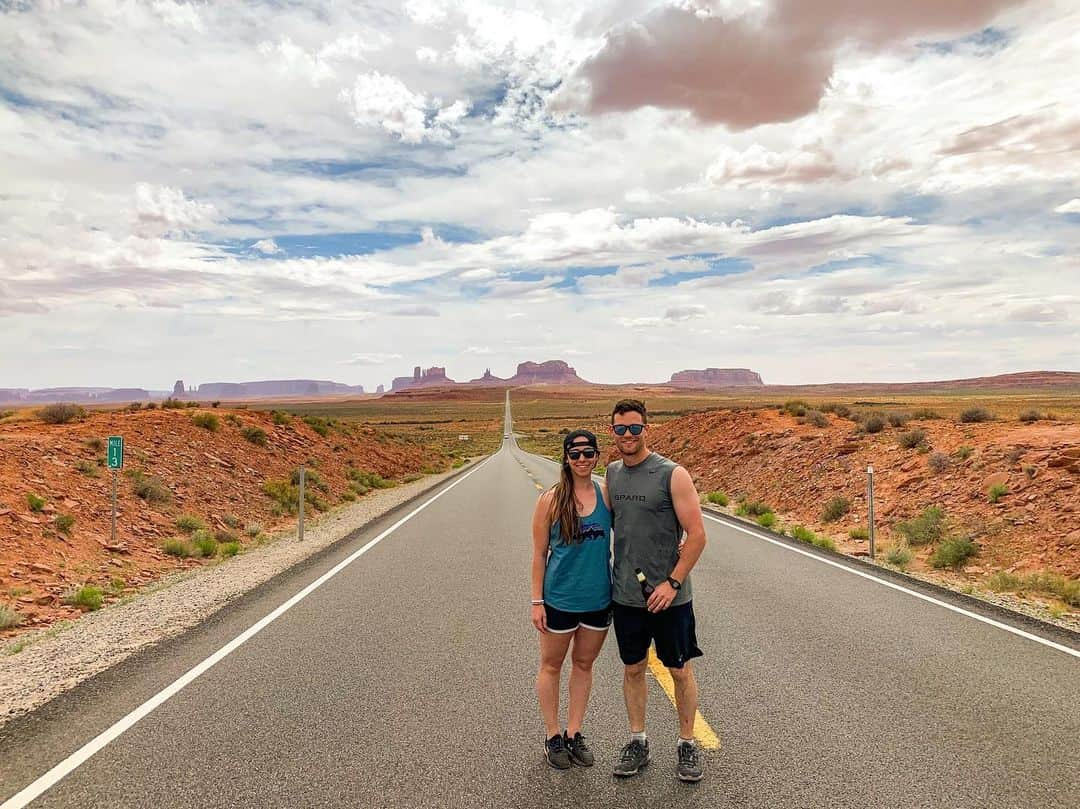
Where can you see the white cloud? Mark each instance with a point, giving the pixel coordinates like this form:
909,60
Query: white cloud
163,210
1072,206
268,247
371,359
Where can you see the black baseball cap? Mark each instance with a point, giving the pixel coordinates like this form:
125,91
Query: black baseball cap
572,439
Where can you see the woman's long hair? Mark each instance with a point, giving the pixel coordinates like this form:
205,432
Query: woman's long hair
564,505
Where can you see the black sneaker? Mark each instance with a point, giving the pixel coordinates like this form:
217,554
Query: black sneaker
555,750
632,758
691,765
579,751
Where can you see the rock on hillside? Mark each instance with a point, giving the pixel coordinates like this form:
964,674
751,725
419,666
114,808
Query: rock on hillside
553,372
217,476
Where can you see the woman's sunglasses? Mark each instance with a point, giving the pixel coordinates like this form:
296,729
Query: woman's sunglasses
620,429
574,454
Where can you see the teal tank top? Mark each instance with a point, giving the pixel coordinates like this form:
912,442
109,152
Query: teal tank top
578,574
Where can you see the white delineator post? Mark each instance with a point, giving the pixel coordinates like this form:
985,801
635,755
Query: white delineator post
300,531
870,507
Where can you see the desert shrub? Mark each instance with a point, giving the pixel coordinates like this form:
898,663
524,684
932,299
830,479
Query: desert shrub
179,548
134,407
312,480
795,407
899,555
64,523
172,404
150,488
228,549
803,534
1044,582
284,495
938,462
1029,416
233,419
319,425
208,421
358,488
1003,581
912,438
61,413
836,508
717,498
963,453
253,529
215,404
189,523
873,423
767,520
95,444
927,528
953,552
232,520
9,618
752,508
224,536
88,468
280,418
925,414
348,496
412,477
35,503
88,597
151,405
817,418
373,480
997,491
820,541
205,543
256,435
859,533
975,414
897,419
1030,470
1014,454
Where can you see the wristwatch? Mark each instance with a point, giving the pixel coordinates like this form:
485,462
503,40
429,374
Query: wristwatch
675,583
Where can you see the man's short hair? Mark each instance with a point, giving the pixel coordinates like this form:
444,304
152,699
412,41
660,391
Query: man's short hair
630,406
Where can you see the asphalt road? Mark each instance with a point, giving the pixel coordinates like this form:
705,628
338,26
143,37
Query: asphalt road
406,680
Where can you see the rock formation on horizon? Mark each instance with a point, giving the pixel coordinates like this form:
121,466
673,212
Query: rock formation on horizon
716,378
428,377
554,372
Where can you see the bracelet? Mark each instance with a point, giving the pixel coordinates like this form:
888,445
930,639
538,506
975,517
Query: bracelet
536,602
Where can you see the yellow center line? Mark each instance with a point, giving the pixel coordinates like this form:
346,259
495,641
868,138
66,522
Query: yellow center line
702,732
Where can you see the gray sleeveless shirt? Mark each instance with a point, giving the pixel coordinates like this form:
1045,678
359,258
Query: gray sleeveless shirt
647,531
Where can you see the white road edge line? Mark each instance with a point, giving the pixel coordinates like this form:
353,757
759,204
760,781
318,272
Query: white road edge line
76,759
894,586
883,582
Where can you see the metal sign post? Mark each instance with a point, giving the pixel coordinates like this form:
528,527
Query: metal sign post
301,527
870,506
115,457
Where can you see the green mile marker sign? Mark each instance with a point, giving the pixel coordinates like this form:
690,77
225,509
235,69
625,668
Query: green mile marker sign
116,452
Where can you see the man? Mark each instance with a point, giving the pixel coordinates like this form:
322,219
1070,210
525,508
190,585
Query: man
653,501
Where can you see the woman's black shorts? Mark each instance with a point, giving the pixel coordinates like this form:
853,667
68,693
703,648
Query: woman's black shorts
560,621
672,630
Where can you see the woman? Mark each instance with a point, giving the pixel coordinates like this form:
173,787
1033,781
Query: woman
571,592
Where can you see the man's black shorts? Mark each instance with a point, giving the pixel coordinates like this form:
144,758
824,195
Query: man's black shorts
672,630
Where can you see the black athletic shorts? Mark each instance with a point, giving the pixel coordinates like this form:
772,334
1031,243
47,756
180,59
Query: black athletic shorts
672,630
561,621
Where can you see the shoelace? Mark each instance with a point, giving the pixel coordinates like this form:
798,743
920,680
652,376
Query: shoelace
688,754
632,750
555,744
579,742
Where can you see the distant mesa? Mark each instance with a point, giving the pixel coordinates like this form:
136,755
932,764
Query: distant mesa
552,372
380,389
716,378
273,388
426,378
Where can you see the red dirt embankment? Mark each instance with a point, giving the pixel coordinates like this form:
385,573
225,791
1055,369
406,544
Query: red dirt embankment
216,476
796,468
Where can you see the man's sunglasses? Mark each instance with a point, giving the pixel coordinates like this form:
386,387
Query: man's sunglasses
574,454
620,429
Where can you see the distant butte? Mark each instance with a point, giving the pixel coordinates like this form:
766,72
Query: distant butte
716,378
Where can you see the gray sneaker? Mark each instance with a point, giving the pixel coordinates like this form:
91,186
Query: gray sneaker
579,751
691,765
632,758
555,752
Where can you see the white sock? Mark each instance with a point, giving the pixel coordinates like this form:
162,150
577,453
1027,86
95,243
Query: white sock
685,741
641,737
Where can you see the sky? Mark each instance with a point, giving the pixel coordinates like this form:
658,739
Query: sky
818,190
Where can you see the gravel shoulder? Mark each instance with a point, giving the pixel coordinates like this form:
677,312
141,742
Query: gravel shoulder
55,661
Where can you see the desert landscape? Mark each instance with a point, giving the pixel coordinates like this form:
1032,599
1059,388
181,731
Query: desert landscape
988,471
